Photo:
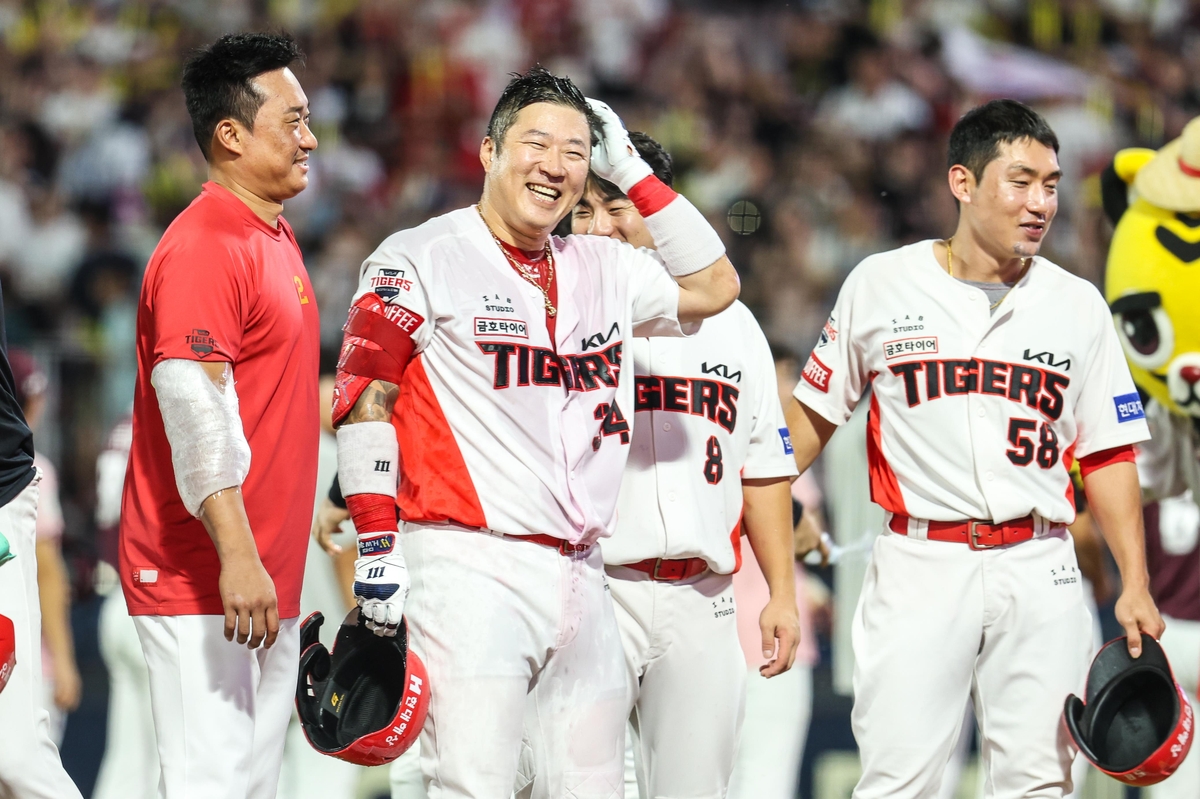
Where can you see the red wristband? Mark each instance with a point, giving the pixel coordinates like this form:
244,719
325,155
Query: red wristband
1105,457
372,513
650,195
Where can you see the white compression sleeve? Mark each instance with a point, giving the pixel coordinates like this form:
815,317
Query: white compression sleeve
685,240
208,447
368,458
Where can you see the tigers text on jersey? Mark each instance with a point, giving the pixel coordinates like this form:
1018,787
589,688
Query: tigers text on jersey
707,415
499,426
973,416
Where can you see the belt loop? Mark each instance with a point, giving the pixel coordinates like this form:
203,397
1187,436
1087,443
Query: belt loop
918,529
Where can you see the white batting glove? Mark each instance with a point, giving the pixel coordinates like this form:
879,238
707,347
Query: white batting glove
614,157
380,582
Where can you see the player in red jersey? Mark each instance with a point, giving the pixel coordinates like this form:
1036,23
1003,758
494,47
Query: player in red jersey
215,547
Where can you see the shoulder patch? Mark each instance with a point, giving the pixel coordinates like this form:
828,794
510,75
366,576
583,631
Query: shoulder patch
786,435
1129,407
817,374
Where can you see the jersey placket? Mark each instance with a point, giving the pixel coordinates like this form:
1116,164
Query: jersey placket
987,413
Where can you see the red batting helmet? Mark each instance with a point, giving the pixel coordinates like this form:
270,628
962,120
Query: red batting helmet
366,702
1136,723
8,650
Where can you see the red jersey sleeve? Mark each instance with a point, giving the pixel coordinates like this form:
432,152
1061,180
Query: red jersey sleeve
200,302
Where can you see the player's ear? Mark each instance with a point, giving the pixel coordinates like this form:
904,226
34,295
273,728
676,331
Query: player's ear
229,135
487,151
962,182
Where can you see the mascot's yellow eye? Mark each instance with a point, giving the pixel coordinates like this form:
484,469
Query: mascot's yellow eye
1145,329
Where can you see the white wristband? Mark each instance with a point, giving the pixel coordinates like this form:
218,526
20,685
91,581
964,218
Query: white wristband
683,237
368,458
209,451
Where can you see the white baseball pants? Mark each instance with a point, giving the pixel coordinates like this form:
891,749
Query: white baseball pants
686,674
129,769
514,634
1181,642
29,764
938,623
221,710
774,731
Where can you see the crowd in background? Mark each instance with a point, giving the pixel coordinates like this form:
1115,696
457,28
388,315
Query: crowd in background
811,132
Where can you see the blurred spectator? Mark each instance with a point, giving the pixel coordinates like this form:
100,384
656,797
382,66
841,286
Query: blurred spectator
60,673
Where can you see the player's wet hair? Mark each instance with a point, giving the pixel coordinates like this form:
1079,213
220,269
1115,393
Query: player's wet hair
976,138
651,152
536,86
217,80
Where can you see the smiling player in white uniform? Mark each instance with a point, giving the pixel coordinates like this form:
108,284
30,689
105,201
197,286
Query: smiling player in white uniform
992,370
710,456
496,353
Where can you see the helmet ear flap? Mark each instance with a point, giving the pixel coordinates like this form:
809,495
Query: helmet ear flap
314,672
1073,711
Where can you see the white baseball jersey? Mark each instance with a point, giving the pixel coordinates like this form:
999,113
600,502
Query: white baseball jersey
707,415
499,426
973,416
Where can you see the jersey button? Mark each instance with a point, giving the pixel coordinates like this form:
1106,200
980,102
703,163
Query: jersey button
671,496
981,412
666,425
972,297
990,476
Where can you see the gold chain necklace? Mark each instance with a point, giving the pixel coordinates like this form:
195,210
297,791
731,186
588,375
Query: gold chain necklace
523,270
996,304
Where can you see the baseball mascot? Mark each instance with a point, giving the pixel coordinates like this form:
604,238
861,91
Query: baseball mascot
1153,289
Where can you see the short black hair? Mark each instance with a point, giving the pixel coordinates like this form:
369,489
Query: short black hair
537,86
976,138
651,152
217,79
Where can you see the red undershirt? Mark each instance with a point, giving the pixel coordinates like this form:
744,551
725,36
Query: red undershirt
534,261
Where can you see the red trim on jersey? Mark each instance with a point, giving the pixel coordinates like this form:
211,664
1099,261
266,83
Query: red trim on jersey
735,538
650,195
885,488
1068,461
549,282
372,513
435,485
1105,457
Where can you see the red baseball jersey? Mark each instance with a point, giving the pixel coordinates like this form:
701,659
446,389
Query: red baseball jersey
223,285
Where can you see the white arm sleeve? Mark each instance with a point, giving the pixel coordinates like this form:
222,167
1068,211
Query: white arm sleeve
208,447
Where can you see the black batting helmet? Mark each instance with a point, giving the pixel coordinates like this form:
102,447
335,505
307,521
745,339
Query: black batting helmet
1136,722
366,701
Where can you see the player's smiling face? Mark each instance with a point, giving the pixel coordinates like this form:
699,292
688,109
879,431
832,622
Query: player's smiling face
537,174
1015,201
616,218
274,157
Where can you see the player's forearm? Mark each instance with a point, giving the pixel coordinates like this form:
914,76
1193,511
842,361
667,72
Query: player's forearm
375,404
54,594
767,517
707,292
810,433
224,516
1114,498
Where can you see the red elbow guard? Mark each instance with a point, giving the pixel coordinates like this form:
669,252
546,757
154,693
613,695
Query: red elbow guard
378,346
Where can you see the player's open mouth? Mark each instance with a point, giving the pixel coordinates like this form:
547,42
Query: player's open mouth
1034,229
544,194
